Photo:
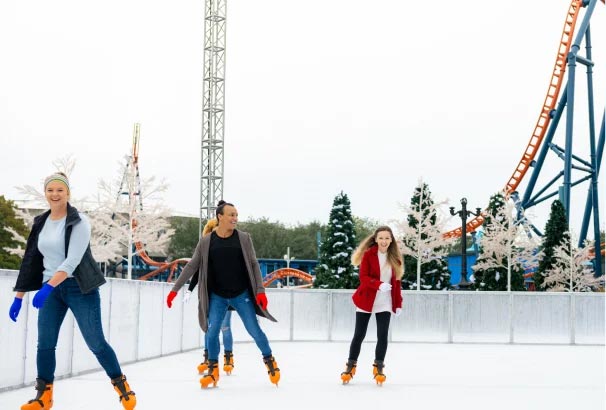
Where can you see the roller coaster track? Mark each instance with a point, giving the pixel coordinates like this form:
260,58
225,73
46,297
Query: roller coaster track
286,273
160,266
553,91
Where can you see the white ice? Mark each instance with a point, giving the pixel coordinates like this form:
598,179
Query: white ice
419,376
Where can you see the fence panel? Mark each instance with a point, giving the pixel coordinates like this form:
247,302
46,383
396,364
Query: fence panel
424,318
541,318
480,317
589,318
138,324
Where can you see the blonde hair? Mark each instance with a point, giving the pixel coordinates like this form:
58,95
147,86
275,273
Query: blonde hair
394,256
210,226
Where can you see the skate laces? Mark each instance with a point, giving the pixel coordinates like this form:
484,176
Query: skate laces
212,365
350,367
41,387
270,362
120,383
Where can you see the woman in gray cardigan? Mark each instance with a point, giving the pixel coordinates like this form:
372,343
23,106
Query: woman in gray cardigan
229,275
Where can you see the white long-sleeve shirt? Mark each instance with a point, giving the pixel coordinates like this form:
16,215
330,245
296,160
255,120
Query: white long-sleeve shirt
51,243
383,299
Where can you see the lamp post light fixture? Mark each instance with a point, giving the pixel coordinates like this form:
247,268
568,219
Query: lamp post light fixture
288,258
464,214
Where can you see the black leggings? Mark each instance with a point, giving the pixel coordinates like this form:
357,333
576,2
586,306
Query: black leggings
362,320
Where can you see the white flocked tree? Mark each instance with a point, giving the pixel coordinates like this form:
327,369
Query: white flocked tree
423,239
572,270
507,245
131,210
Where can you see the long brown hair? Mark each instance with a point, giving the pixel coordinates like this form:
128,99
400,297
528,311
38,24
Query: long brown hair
394,256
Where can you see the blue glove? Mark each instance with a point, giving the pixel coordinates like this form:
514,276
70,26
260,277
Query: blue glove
41,295
13,312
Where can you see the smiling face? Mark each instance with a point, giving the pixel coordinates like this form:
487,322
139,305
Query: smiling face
57,195
229,218
383,239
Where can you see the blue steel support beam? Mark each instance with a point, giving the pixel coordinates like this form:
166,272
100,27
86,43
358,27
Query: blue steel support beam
580,181
566,185
572,58
589,202
593,188
553,125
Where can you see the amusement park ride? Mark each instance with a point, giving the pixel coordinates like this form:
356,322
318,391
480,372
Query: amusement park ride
541,140
560,98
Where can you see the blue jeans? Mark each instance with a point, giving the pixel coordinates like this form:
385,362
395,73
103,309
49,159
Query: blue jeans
87,312
228,339
246,310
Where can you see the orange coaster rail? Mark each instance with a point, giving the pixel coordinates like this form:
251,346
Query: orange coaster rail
553,91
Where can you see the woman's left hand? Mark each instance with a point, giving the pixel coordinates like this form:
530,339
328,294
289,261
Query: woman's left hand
262,300
398,311
41,296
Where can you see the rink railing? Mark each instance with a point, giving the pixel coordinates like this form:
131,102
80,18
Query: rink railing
139,326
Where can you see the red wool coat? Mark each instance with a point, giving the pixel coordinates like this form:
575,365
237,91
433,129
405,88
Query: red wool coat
370,280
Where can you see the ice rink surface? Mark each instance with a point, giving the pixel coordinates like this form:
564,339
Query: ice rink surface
419,376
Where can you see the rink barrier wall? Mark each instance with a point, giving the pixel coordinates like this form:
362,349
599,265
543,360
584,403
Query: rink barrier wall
139,326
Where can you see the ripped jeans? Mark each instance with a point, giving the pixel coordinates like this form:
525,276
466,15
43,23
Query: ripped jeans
228,339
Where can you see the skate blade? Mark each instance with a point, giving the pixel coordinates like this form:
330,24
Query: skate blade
206,383
346,379
274,380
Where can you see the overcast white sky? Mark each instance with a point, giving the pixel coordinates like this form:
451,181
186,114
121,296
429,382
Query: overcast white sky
321,96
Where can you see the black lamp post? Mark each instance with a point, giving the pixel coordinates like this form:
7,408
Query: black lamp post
464,214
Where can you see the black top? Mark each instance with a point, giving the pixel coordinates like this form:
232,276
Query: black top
227,275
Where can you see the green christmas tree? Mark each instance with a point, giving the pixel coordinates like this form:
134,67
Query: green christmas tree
334,270
13,232
556,233
498,250
423,245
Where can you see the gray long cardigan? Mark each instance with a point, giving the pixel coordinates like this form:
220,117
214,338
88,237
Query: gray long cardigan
199,264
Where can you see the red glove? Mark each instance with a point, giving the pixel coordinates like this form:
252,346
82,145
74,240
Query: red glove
169,299
262,300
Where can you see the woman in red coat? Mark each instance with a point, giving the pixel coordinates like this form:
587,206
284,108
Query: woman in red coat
379,292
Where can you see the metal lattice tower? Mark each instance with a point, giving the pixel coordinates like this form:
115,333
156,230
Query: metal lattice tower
213,108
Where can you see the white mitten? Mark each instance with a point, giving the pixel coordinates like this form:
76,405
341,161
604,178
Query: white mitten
385,287
186,296
398,311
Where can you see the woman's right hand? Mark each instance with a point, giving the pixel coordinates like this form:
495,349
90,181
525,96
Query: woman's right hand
169,299
15,308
